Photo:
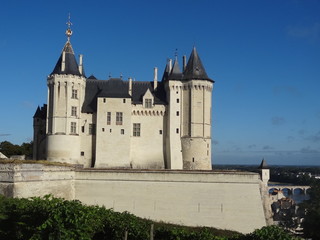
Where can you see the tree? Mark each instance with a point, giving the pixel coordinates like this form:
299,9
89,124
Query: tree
9,149
311,225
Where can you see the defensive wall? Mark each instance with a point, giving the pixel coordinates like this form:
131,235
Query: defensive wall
226,200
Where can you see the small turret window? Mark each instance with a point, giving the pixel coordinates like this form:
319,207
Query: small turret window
73,129
74,111
136,129
74,94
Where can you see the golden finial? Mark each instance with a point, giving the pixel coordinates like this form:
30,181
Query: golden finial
69,31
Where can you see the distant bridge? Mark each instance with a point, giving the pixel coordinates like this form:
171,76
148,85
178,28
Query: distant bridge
290,188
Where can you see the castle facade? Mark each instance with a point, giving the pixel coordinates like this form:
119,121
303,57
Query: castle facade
118,123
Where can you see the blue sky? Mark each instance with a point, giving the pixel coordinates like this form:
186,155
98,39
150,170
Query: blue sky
263,55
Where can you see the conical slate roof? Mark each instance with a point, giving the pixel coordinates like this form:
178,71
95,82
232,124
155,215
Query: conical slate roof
263,165
166,72
175,73
71,65
194,68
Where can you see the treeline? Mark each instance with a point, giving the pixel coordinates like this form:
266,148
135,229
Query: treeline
55,218
9,149
298,175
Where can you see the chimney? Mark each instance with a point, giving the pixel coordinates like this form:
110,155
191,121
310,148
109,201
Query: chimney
63,62
184,62
80,63
130,86
170,65
155,78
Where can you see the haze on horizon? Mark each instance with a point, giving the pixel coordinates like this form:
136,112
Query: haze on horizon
263,55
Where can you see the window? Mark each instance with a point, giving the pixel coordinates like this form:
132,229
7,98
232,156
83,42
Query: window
74,94
124,100
102,129
178,100
92,129
119,118
177,130
108,118
82,153
82,129
73,129
160,131
177,113
104,100
136,129
122,131
74,111
148,103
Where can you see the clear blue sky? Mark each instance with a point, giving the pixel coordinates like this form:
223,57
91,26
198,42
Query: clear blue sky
263,55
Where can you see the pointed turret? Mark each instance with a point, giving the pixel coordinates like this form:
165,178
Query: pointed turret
175,73
263,165
166,71
194,69
264,172
67,63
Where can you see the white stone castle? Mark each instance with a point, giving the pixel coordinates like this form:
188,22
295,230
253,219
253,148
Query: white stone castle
126,124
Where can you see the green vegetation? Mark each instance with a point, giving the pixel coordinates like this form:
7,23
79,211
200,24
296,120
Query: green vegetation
9,149
311,224
55,218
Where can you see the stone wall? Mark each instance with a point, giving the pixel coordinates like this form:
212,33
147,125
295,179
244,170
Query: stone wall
226,200
29,180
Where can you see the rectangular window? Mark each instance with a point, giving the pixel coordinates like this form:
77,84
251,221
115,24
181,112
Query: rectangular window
177,130
104,100
177,100
74,94
160,131
82,129
118,118
124,100
74,111
73,129
148,103
136,129
82,153
177,113
122,131
92,129
108,118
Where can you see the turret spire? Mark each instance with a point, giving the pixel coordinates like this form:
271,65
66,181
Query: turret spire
69,31
67,64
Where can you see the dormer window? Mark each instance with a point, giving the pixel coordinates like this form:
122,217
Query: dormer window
148,99
148,103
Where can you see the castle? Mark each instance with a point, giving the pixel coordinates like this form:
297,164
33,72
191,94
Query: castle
136,143
126,124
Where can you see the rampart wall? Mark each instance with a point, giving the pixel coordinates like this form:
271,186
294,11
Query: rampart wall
226,200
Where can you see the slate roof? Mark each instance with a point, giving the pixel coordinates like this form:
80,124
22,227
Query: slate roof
263,165
41,112
118,88
175,73
71,65
193,71
194,68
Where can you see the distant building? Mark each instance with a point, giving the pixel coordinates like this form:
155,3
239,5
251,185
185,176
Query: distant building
2,156
118,123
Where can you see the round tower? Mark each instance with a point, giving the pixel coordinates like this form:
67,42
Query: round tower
196,115
66,86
